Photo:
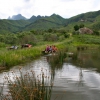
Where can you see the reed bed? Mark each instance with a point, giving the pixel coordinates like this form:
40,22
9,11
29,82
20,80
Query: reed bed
29,86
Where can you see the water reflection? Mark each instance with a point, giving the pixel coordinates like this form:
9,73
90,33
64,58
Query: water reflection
72,80
87,59
75,80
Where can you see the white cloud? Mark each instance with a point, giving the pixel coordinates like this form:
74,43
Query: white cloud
65,8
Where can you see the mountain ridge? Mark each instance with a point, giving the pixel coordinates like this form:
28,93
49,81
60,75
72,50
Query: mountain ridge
89,19
17,17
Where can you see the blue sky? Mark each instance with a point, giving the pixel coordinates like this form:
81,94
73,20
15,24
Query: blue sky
64,8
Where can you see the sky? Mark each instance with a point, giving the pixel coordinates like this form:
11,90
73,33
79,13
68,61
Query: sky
64,8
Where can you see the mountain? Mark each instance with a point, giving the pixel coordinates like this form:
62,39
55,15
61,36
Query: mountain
20,23
47,22
34,23
17,17
34,18
89,16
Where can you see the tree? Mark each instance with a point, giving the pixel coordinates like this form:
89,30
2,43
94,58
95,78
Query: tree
50,30
81,26
66,35
76,27
96,33
50,37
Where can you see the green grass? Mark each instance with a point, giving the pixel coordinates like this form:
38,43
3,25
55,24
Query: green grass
15,57
87,39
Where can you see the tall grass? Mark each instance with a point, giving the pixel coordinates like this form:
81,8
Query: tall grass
15,57
29,86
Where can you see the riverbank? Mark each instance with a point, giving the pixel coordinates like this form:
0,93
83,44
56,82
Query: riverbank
9,58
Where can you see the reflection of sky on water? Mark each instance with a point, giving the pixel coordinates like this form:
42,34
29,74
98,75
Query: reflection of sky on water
36,66
92,79
68,78
72,74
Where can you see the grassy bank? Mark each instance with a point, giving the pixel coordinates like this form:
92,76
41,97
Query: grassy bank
15,57
9,58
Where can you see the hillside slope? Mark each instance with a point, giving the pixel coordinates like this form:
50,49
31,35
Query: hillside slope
89,19
9,26
54,21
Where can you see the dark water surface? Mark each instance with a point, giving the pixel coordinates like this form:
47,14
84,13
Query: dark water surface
74,80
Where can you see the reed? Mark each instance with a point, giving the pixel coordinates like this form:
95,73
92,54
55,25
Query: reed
29,86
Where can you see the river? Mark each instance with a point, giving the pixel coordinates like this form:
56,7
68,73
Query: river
71,81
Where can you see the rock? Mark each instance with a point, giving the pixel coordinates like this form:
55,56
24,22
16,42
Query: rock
85,31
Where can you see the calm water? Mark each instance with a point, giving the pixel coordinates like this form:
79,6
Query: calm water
74,80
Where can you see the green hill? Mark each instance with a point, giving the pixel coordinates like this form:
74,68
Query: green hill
34,23
54,21
9,26
89,19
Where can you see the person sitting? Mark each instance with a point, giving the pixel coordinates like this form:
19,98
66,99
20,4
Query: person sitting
54,48
50,49
47,49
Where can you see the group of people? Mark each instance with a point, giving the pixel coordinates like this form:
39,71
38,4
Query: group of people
51,49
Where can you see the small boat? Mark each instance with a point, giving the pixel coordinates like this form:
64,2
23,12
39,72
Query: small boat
48,53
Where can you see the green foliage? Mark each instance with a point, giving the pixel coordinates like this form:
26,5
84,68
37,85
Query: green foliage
50,37
87,39
50,30
32,31
15,57
2,44
96,33
8,38
10,26
81,25
96,26
66,35
76,27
